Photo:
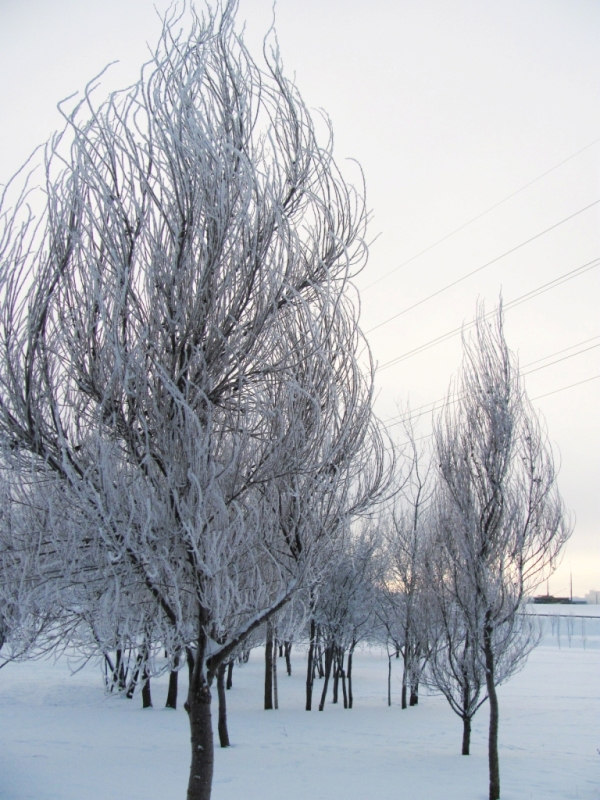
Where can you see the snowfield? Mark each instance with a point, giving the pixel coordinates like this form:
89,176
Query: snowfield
62,738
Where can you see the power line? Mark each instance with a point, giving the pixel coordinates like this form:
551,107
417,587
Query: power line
575,273
483,266
424,409
564,358
538,397
558,352
482,214
570,386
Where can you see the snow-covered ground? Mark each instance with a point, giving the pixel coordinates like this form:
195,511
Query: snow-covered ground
61,738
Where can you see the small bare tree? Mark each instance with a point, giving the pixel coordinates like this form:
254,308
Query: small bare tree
502,523
402,597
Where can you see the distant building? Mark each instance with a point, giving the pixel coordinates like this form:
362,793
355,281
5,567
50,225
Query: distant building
549,598
593,596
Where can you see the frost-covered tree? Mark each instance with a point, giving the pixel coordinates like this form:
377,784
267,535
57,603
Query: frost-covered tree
401,599
502,521
179,372
454,654
343,611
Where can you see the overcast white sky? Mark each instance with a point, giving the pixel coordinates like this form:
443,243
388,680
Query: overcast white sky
449,106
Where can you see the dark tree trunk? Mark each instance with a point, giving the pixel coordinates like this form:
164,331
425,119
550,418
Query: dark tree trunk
288,656
414,693
108,666
269,668
319,651
310,675
404,676
173,681
146,694
336,674
494,763
389,686
328,663
350,697
343,679
197,706
280,650
134,678
275,692
223,732
229,683
201,768
119,677
466,740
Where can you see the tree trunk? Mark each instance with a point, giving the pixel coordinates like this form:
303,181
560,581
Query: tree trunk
328,663
350,697
223,732
404,676
197,706
229,683
389,686
466,740
310,666
343,679
414,693
146,694
201,769
275,692
288,656
336,674
269,668
173,681
494,763
134,678
319,654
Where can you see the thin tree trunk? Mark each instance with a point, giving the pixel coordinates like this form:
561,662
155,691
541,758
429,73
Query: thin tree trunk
466,740
494,763
134,677
404,671
389,686
350,697
310,675
343,678
223,732
288,656
275,693
108,665
328,663
336,673
173,682
146,693
229,683
269,668
414,693
319,651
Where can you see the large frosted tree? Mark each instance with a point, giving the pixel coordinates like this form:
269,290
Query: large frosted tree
180,382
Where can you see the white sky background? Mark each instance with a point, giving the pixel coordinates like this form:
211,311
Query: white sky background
449,106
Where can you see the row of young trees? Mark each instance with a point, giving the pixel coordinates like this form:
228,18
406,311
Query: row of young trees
476,523
187,441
